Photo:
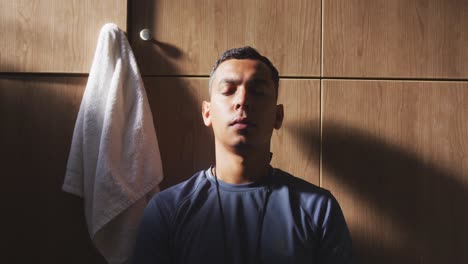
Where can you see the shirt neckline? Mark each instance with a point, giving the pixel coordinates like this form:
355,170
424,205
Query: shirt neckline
251,186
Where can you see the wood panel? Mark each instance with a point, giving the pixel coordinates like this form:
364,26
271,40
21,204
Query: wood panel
400,38
38,116
190,35
395,155
187,146
54,35
296,144
185,143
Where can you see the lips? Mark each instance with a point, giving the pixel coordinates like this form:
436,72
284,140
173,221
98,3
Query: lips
241,123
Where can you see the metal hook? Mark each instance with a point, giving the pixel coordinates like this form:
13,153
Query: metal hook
145,35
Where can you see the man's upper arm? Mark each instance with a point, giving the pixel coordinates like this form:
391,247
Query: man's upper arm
152,242
335,246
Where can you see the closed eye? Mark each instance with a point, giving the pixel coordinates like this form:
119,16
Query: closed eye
228,86
258,91
258,87
228,90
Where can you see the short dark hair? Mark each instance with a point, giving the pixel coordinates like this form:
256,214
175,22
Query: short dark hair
246,53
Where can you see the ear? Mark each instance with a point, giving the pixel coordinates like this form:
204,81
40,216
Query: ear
206,113
279,116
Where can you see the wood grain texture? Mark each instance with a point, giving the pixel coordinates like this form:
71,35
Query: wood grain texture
187,146
54,35
395,156
190,35
395,39
38,116
296,144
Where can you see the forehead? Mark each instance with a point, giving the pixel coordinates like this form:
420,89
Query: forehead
243,69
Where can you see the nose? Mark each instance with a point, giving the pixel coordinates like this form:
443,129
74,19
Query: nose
241,101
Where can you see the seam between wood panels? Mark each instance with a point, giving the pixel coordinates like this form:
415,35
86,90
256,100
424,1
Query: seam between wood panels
128,21
42,74
394,79
321,97
175,76
321,38
281,77
321,136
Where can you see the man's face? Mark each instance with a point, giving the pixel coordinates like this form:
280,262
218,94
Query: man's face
243,110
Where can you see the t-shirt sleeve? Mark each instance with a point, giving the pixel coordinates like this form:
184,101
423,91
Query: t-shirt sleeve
335,246
152,242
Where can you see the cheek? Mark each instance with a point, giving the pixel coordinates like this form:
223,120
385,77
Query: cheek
218,115
268,115
221,108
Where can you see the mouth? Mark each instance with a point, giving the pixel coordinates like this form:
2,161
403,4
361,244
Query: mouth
241,123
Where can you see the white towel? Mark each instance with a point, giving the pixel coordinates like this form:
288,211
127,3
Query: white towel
114,161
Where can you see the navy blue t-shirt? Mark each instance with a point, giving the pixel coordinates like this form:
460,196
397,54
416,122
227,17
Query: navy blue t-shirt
281,219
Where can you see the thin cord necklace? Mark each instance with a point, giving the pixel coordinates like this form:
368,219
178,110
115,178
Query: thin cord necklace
227,259
261,219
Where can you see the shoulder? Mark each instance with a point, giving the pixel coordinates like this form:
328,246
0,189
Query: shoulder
316,202
170,199
153,242
325,216
303,189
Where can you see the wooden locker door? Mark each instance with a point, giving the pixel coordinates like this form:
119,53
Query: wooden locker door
43,223
187,146
395,156
395,39
190,35
296,144
54,35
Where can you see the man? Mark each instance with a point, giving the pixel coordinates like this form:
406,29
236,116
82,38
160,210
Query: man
242,210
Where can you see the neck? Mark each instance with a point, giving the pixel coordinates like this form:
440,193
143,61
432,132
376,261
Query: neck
237,167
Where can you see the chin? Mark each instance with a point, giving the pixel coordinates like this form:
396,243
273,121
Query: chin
242,145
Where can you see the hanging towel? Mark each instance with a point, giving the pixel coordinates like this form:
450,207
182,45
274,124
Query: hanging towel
114,161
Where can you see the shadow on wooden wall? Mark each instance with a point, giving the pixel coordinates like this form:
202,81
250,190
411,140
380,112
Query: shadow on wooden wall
415,211
44,224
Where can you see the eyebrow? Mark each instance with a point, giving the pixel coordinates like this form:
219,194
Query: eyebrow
258,81
236,81
230,80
